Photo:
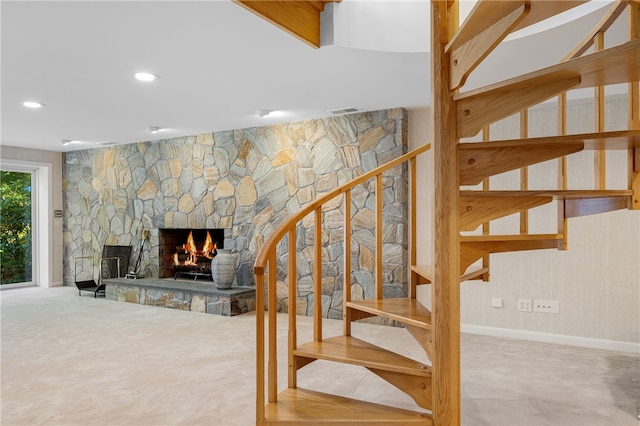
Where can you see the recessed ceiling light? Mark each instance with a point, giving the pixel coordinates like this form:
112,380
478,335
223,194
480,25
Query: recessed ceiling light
263,112
145,76
154,129
66,142
33,104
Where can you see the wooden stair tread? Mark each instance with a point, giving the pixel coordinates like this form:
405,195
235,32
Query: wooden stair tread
618,140
408,311
481,160
477,108
350,350
557,194
509,237
426,272
305,407
485,12
618,64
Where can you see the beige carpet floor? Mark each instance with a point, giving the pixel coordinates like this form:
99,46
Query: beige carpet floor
69,360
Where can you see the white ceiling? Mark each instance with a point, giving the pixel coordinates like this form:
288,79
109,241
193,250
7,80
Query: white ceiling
218,64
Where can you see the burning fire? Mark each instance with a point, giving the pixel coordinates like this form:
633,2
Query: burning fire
189,247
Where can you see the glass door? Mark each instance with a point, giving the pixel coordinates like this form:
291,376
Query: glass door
16,227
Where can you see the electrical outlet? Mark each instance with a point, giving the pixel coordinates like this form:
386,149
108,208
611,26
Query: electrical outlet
546,306
524,305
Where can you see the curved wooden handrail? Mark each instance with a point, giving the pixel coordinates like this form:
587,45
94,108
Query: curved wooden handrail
283,228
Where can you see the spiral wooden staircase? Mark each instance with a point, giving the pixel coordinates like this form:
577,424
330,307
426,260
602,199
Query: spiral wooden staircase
460,206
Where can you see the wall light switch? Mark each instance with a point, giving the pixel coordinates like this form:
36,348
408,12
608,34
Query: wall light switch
496,302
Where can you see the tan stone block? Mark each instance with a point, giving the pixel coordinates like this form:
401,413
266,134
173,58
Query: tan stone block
199,303
96,183
245,147
301,306
328,285
168,219
246,194
282,290
224,189
285,156
364,219
171,187
367,259
97,165
211,175
209,204
306,194
291,176
352,155
263,217
205,139
306,176
109,159
132,296
197,166
124,177
182,305
296,132
121,294
186,204
225,222
370,139
147,191
120,199
105,195
175,165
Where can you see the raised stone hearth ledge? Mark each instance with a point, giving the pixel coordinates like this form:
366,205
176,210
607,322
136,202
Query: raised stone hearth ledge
184,295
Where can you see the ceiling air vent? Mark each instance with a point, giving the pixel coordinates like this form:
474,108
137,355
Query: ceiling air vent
344,111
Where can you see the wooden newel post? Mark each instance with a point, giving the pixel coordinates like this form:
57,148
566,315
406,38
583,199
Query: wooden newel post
445,288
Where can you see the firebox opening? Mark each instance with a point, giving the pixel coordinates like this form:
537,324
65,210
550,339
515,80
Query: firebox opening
188,251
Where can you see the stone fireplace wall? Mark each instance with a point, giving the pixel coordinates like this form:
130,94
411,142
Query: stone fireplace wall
246,182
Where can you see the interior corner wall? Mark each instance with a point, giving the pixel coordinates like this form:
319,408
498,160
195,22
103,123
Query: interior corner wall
50,272
596,281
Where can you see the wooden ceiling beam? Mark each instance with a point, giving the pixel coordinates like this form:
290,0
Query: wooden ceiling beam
300,18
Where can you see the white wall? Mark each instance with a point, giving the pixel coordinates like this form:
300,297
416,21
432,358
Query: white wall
49,165
596,281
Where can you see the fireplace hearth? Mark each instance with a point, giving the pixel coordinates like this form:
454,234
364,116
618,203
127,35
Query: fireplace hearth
188,252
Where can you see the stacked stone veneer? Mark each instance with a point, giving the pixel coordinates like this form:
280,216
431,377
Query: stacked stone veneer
247,182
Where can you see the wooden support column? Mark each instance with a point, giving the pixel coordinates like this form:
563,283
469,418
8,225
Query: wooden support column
634,114
445,290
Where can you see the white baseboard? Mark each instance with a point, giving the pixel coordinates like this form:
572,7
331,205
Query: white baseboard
585,342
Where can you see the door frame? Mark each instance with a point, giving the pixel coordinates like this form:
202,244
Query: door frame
40,217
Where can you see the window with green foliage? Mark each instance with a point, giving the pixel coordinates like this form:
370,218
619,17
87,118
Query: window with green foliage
15,227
